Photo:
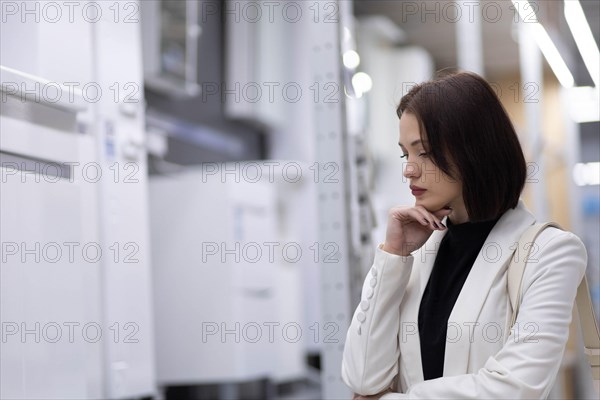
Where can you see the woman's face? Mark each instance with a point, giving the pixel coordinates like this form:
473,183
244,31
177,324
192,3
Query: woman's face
432,188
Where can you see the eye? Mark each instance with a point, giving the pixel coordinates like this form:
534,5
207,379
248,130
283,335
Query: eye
404,156
424,155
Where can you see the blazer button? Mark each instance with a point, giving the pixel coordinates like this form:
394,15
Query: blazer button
369,293
373,282
364,305
374,271
361,317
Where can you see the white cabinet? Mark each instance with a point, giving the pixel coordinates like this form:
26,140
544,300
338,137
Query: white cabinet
228,305
75,288
49,297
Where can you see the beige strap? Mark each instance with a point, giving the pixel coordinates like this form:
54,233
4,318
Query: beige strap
516,269
589,327
587,319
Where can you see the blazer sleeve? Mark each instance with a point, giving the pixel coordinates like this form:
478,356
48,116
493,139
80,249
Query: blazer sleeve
527,364
371,351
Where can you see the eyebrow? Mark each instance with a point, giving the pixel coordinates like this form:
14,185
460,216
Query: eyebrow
412,144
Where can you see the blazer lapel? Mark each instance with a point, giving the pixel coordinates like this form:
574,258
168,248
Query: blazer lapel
494,255
409,329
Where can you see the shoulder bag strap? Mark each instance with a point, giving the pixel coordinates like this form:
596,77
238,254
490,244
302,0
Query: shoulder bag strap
587,319
516,268
589,329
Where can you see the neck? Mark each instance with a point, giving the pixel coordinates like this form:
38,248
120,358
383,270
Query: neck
458,217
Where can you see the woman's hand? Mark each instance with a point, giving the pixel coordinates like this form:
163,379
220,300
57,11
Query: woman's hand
408,228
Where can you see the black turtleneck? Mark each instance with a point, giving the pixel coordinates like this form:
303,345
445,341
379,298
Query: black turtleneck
457,253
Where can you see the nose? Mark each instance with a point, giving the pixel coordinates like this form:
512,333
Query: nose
411,170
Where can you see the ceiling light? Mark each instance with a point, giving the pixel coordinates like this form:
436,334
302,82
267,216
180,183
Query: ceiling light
528,17
552,56
583,104
362,83
351,59
583,38
587,174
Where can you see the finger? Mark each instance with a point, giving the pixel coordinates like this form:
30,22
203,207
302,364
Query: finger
407,215
433,221
441,214
419,216
438,215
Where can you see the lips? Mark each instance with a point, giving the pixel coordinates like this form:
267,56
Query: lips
417,191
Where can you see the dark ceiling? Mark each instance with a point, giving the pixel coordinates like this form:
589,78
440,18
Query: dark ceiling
431,24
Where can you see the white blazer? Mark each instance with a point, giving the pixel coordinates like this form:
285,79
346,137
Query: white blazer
382,347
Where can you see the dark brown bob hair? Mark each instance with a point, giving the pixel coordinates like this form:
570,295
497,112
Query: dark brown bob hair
467,131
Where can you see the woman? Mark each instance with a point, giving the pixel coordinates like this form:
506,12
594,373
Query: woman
432,320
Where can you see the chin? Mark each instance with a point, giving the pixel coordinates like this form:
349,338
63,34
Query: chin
429,205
